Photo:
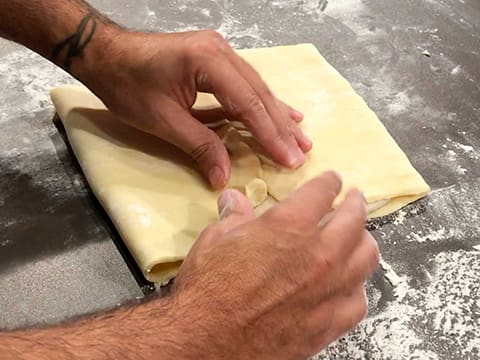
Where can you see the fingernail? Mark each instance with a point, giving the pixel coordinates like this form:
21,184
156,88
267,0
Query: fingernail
216,176
297,114
308,141
226,203
296,157
337,174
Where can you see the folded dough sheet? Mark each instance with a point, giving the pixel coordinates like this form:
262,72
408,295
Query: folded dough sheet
158,201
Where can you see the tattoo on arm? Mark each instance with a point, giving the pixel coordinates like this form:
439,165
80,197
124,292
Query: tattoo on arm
77,42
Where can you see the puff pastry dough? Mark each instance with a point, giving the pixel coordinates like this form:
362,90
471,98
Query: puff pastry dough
158,201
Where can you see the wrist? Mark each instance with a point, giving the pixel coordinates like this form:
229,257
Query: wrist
188,330
98,55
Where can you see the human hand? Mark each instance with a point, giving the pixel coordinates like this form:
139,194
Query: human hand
273,287
277,286
151,81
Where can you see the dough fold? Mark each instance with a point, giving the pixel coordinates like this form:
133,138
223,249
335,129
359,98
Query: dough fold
159,203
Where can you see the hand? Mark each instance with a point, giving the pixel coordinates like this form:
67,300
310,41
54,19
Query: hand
151,81
278,286
273,287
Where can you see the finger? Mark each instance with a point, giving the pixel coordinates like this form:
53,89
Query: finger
209,116
349,310
280,113
240,100
234,209
233,202
201,143
362,263
345,229
307,205
294,114
355,270
302,140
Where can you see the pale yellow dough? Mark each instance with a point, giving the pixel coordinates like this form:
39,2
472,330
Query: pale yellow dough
158,201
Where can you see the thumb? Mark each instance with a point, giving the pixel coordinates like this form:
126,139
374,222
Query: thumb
201,143
234,209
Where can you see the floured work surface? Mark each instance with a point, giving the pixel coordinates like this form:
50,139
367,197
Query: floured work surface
159,202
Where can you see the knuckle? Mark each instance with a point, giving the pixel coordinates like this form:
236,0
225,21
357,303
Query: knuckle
332,179
255,103
279,214
214,36
324,263
202,150
279,137
264,89
211,230
203,48
208,43
252,107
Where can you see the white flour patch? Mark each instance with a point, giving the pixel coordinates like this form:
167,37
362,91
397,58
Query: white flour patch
461,170
457,155
186,27
304,5
456,70
451,155
399,104
150,18
33,77
466,222
350,14
239,34
5,242
443,307
26,146
205,12
400,217
452,299
393,278
434,235
467,150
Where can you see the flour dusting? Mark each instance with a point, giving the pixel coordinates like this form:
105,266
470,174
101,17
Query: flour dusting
26,113
445,306
393,278
434,235
456,70
219,16
349,13
35,76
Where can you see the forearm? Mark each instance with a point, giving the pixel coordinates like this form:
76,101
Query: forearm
68,32
147,331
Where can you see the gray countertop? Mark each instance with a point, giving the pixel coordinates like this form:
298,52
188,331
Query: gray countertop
416,63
